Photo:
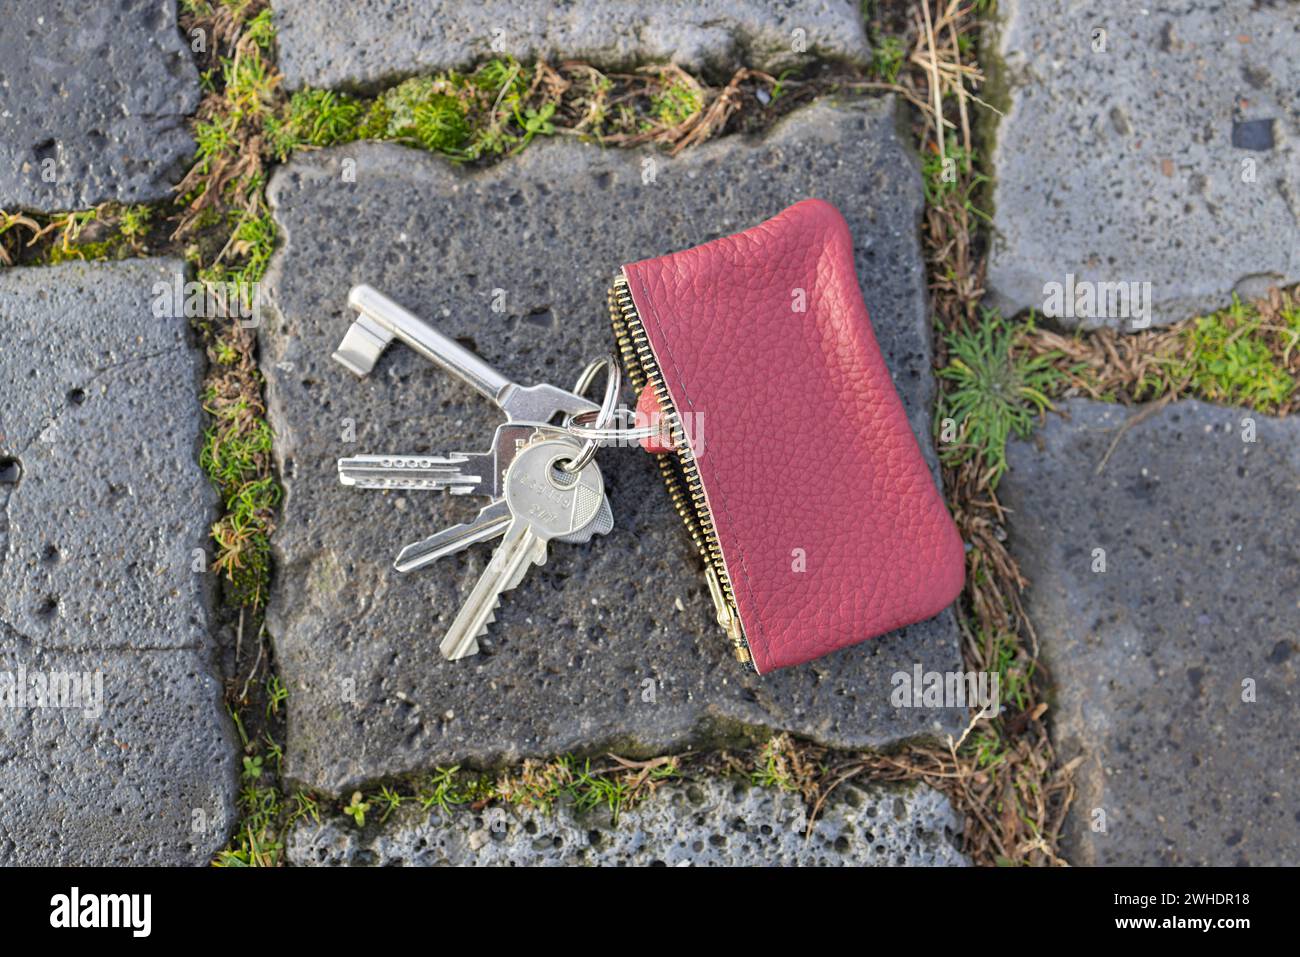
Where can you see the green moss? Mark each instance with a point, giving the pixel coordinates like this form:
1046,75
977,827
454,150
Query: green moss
401,101
236,455
1232,359
314,118
439,124
374,124
83,251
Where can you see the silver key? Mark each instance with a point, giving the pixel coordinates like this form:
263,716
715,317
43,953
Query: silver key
491,522
382,319
460,473
544,503
457,474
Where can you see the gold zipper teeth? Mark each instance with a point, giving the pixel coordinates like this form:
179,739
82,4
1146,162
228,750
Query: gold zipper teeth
678,468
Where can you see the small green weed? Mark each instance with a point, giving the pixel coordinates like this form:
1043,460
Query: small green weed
996,393
357,809
676,103
887,55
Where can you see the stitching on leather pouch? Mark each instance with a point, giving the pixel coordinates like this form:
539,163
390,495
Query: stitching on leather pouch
722,497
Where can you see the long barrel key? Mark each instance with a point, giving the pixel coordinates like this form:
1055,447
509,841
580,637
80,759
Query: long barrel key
544,503
381,320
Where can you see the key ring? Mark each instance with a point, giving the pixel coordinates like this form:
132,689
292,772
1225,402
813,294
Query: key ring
608,407
607,435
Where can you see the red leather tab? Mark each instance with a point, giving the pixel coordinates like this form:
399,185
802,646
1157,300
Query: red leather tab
649,413
831,528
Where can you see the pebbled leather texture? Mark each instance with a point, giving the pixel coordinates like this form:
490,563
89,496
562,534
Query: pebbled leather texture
831,528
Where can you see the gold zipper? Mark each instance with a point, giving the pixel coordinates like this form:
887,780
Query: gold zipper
678,467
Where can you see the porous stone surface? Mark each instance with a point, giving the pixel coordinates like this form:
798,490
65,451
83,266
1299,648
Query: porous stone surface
1154,144
1175,668
146,777
93,102
103,551
612,643
102,416
366,43
709,823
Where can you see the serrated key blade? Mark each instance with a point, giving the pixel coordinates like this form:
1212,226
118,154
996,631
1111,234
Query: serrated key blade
517,552
544,503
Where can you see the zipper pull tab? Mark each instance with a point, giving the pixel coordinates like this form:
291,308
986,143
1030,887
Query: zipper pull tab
727,620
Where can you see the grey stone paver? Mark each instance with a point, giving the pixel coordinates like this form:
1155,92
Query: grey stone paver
102,413
709,823
1173,157
372,41
587,639
93,103
1198,606
100,537
149,780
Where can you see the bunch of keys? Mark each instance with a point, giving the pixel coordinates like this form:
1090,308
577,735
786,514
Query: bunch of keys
541,479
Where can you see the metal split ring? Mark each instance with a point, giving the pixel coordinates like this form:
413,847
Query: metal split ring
608,409
611,436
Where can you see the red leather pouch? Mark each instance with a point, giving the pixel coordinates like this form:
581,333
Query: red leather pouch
791,461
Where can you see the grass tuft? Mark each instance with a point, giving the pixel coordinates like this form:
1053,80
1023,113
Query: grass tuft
313,118
1247,354
780,764
997,392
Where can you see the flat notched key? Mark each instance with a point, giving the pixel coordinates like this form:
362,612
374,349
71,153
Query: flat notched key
490,522
543,505
460,473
